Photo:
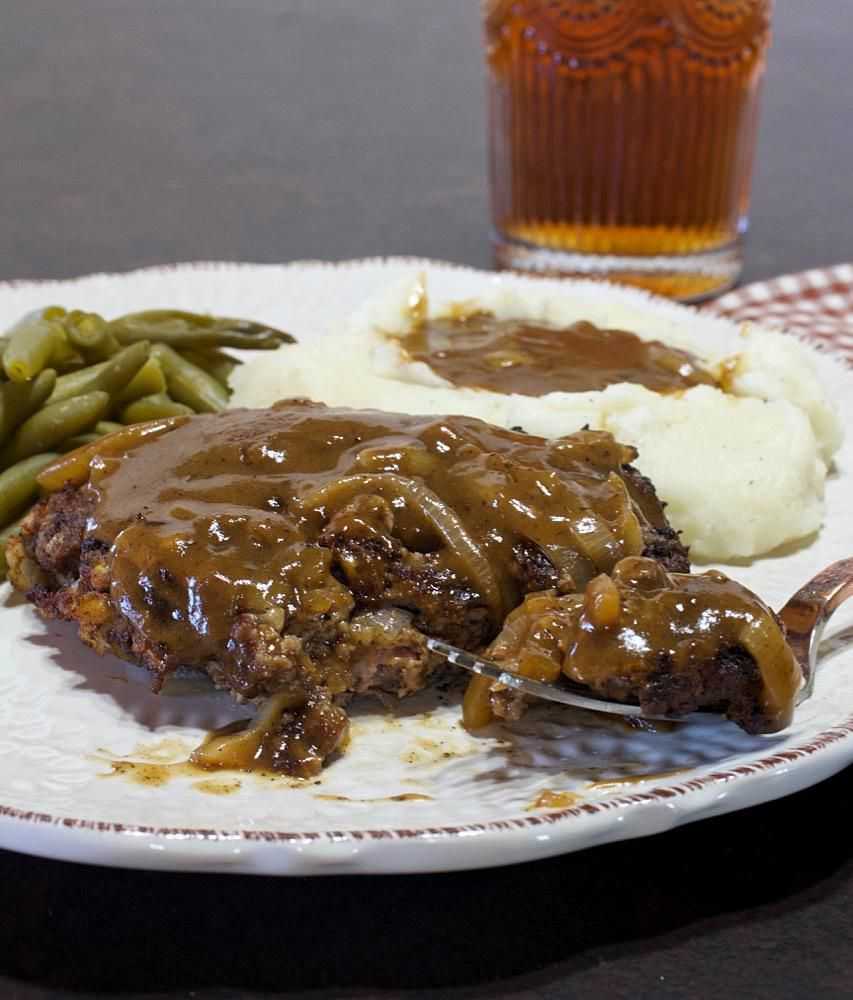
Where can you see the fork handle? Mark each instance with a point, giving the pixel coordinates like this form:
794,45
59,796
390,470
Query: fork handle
807,612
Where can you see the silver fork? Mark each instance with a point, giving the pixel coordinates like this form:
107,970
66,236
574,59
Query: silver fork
804,616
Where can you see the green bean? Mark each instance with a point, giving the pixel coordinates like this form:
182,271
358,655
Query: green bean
20,400
110,376
65,357
54,424
19,486
108,427
122,367
5,535
148,381
188,384
153,408
106,349
186,329
76,383
214,362
84,329
88,332
32,341
79,441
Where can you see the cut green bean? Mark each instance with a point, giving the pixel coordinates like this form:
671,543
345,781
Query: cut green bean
84,329
44,430
89,334
19,486
76,383
102,350
189,384
215,362
186,329
148,381
154,408
123,367
65,357
20,400
80,441
5,535
103,427
32,342
110,376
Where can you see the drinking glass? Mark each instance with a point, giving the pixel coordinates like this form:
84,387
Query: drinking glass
622,137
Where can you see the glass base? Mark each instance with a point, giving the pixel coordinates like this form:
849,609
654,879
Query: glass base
691,277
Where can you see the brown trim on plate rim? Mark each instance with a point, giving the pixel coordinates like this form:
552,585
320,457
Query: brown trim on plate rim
783,757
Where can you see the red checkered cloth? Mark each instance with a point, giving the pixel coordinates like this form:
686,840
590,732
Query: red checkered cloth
817,305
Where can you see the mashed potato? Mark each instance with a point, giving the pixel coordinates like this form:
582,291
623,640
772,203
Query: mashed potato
743,472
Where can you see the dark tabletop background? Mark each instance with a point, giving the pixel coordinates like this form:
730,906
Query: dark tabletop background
142,131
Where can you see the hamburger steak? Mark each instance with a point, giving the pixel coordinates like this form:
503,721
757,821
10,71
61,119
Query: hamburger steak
300,554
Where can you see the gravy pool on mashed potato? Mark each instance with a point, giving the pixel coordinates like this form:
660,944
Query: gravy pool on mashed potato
743,471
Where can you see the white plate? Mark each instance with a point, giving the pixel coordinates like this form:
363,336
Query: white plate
66,715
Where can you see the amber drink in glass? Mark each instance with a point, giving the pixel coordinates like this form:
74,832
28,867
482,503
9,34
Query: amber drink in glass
622,137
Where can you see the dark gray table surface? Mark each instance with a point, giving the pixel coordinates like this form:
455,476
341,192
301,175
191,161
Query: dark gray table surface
143,131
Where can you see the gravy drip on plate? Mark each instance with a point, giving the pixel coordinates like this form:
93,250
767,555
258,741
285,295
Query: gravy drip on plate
478,350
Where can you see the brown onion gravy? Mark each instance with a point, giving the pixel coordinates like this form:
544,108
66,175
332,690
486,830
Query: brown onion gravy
550,799
478,350
224,514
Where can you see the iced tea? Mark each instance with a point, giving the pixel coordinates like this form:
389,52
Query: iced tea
622,136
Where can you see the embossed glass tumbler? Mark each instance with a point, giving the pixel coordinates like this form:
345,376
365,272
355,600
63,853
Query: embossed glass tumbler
622,135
